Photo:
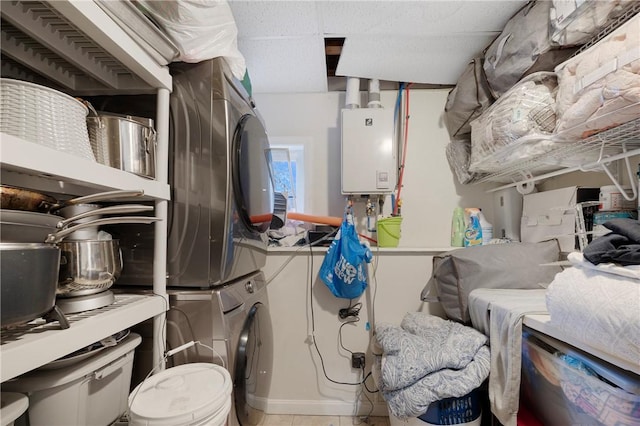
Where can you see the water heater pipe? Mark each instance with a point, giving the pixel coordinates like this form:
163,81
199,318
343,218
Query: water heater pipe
353,93
374,94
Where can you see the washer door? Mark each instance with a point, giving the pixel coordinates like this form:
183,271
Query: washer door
252,186
254,361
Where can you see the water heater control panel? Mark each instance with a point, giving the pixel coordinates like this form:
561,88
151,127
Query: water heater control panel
369,161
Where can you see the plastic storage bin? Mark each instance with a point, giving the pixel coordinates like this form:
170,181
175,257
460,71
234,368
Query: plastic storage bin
564,386
89,393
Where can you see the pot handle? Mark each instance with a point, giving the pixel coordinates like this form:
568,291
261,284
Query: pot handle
56,237
56,314
125,208
101,196
150,139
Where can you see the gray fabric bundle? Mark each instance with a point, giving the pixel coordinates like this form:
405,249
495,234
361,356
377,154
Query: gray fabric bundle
427,359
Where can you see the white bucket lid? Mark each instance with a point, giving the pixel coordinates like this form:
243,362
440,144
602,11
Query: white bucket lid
180,395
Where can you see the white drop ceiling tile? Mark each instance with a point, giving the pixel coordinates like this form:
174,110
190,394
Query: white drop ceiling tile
415,18
286,65
258,18
428,60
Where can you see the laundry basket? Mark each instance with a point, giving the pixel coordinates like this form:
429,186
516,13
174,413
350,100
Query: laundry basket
462,411
465,410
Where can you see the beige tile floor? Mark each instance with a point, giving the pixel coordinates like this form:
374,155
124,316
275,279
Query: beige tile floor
295,420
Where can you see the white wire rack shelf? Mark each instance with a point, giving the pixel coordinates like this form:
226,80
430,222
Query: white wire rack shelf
586,155
62,41
32,345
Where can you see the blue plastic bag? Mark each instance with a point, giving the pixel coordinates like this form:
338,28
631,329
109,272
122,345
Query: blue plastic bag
344,268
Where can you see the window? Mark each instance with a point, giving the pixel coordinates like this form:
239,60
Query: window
287,170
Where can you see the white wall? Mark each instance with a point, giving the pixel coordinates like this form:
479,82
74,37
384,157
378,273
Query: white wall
430,191
299,385
430,194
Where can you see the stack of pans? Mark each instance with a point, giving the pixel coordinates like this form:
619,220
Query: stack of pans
44,255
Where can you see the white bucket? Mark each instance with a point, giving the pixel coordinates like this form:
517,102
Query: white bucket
197,394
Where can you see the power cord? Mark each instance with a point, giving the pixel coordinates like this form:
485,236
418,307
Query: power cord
351,311
353,308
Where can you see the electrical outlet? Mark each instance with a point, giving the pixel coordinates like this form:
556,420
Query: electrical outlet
357,360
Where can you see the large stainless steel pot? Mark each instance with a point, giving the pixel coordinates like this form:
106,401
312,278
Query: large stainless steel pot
28,280
125,142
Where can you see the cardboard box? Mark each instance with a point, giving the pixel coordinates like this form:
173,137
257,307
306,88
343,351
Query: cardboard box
553,214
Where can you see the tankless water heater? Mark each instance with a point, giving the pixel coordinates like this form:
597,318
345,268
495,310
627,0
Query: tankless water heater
369,164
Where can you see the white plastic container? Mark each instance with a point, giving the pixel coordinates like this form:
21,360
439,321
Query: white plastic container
91,392
196,394
611,199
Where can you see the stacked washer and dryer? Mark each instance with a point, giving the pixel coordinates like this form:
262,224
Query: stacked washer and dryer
221,207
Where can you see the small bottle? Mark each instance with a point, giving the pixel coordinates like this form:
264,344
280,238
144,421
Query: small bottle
473,233
457,228
487,229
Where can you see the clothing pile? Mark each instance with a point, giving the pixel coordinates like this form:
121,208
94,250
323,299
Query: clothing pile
427,359
621,246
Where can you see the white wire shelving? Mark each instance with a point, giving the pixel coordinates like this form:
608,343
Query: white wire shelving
76,47
593,153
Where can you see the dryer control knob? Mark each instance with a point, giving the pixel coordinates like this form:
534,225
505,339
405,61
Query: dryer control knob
249,287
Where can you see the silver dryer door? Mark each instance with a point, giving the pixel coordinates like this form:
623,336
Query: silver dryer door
252,185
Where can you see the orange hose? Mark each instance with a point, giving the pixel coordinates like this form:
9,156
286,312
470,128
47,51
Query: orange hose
261,218
324,220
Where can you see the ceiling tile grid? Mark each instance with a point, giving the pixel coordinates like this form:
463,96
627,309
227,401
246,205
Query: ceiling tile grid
427,41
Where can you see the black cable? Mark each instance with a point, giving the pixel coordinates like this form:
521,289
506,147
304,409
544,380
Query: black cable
313,327
364,384
356,319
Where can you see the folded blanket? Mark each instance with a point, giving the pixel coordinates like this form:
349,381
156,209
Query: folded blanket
597,308
427,359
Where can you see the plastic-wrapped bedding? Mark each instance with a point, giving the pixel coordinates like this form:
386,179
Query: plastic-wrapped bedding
201,29
600,88
458,153
518,126
576,22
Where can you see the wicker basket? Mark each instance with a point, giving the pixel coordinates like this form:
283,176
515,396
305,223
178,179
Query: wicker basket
44,116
